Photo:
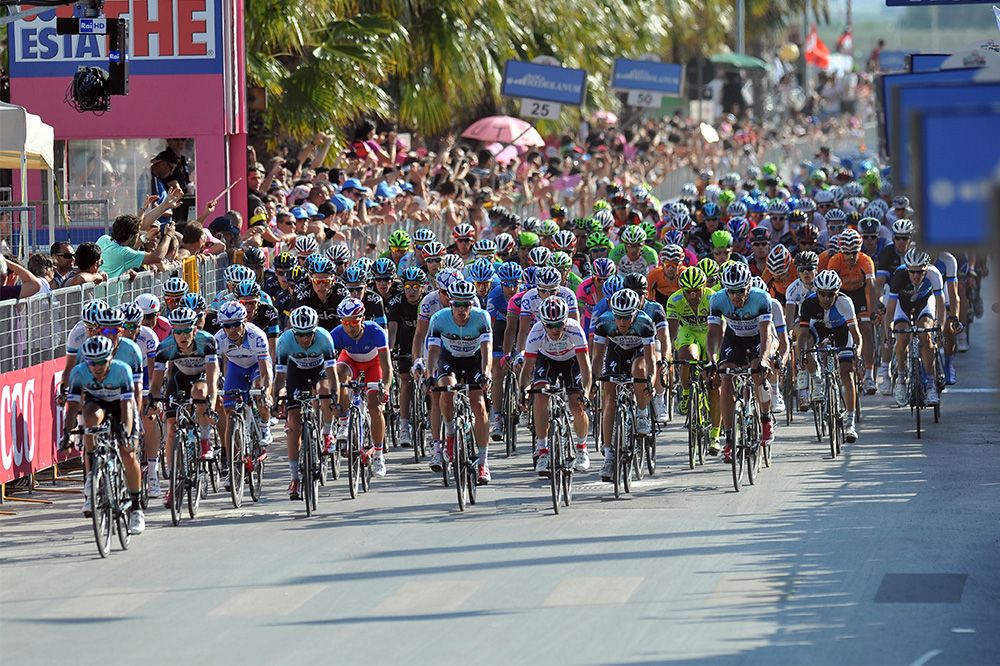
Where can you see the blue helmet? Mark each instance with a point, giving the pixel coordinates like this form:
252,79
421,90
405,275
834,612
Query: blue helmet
247,289
675,237
611,285
317,263
355,273
383,268
414,274
195,301
481,271
231,312
710,211
509,272
604,267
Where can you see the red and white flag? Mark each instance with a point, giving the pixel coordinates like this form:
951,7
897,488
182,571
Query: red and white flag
845,44
816,51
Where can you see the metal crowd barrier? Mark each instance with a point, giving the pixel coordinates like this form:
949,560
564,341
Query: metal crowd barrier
34,329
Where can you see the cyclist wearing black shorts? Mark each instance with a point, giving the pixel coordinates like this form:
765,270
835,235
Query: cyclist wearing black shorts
323,293
402,310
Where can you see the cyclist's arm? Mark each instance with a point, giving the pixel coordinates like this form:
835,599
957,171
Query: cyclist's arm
486,357
156,382
212,381
127,416
264,365
522,331
765,326
599,350
586,376
855,332
871,297
714,341
386,365
433,352
393,329
510,332
953,298
649,356
673,327
419,336
661,334
527,370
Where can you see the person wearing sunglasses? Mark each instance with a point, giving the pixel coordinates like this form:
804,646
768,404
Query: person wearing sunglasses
401,312
760,247
109,322
64,259
304,361
590,291
829,313
747,341
508,281
429,258
632,254
624,345
384,279
86,328
103,388
482,275
464,235
146,339
460,351
857,275
321,291
356,283
654,310
806,265
916,295
548,283
173,291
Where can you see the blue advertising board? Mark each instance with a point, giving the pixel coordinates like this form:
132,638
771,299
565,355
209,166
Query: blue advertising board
939,96
957,162
892,61
544,82
927,3
658,77
927,62
888,81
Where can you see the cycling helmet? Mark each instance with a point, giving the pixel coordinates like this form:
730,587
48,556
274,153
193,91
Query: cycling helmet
807,260
779,260
672,253
148,303
807,233
452,261
539,256
461,290
599,206
881,205
355,274
509,272
463,230
317,263
760,235
736,276
850,241
481,270
548,277
605,219
736,209
253,257
710,211
827,281
548,228
296,273
229,274
446,276
528,277
612,285
580,223
131,313
338,254
692,278
807,205
399,240
530,224
485,246
560,261
675,237
383,268
96,306
231,312
679,209
738,227
797,218
636,282
351,307
902,227
649,228
900,203
564,240
640,192
110,317
433,249
633,234
243,273
303,319
757,282
604,268
689,190
721,239
853,217
422,236
557,211
625,303
726,198
824,197
837,192
712,193
195,301
836,217
504,243
414,274
97,348
777,207
853,189
598,241
915,258
247,290
757,206
182,317
284,261
177,287
365,264
553,310
708,266
305,245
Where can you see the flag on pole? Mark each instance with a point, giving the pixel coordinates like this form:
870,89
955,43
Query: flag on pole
816,51
845,44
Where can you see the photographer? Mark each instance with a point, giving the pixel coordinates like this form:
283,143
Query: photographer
119,251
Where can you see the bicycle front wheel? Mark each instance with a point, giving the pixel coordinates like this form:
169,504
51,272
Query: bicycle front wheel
617,451
739,445
555,451
122,503
354,452
458,463
237,461
178,479
100,502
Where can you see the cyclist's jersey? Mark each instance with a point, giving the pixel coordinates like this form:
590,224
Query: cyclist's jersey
797,292
587,297
853,277
661,288
570,343
655,312
841,313
395,287
77,336
374,308
460,341
744,322
688,318
404,314
824,259
270,285
910,297
327,310
531,302
127,352
641,333
191,363
319,354
777,316
116,385
887,262
514,305
880,244
777,287
496,304
646,261
947,265
431,305
265,318
148,342
247,352
365,347
283,302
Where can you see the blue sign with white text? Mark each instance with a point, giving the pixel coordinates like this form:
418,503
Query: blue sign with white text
936,96
658,77
959,161
544,82
892,61
927,62
888,81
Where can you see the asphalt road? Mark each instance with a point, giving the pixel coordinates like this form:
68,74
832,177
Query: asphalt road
886,555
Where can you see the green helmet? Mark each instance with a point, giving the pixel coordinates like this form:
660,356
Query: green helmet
692,278
399,240
871,177
721,239
580,223
601,205
769,169
709,267
527,239
598,240
726,197
548,228
818,176
560,261
650,229
633,234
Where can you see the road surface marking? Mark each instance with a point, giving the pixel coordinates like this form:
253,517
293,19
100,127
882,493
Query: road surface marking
971,390
434,596
962,630
105,603
593,591
926,658
267,601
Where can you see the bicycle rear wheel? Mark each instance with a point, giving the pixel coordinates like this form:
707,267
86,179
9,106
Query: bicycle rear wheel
693,433
458,463
237,460
122,500
617,451
629,444
197,485
510,408
651,454
255,473
471,466
143,479
100,502
739,444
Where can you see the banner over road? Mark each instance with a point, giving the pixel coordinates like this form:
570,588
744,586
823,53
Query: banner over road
544,82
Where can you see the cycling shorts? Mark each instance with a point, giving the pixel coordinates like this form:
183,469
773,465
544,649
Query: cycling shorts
928,310
499,328
179,384
565,372
618,361
301,380
404,362
686,338
238,378
860,301
372,369
839,334
739,350
466,369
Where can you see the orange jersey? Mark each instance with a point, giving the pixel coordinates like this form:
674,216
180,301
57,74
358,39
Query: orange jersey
661,287
824,259
775,286
853,277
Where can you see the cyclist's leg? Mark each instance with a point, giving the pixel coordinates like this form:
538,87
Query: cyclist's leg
343,373
642,391
236,379
926,320
405,394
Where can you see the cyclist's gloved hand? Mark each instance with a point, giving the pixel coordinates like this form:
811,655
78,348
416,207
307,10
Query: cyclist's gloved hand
418,366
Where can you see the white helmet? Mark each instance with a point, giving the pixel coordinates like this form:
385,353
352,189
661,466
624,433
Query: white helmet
735,276
827,281
625,302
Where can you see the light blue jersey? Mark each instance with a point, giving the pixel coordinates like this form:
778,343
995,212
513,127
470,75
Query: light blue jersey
460,341
128,353
745,321
117,385
320,352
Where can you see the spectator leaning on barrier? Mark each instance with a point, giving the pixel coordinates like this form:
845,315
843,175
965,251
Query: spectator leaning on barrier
10,273
118,249
88,266
41,265
62,256
224,228
196,241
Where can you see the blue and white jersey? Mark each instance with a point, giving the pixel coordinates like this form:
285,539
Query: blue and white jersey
128,353
531,301
460,341
910,296
77,336
148,344
777,315
655,312
841,313
246,353
496,303
431,305
319,354
600,310
116,385
406,261
745,321
192,362
641,333
365,347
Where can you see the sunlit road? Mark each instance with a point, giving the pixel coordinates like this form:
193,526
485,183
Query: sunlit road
885,555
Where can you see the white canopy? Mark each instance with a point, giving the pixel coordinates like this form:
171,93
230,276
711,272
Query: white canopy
24,133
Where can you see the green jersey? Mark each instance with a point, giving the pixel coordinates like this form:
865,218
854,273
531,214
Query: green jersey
691,320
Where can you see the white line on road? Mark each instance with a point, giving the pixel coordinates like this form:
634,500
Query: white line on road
436,596
267,601
105,603
593,591
972,390
926,658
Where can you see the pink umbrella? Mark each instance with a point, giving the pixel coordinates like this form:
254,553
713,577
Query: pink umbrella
502,154
607,116
504,129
